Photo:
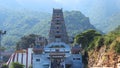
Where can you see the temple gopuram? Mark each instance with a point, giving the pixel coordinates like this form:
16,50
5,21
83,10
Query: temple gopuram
56,54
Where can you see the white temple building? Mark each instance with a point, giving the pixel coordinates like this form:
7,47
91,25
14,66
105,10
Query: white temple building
56,54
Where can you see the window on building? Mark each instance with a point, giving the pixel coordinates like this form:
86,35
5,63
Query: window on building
57,36
57,27
57,20
76,58
57,50
58,17
57,32
57,14
38,60
57,23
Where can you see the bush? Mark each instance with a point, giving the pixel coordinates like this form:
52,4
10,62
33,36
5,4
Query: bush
117,47
30,66
96,43
17,65
109,38
4,66
86,38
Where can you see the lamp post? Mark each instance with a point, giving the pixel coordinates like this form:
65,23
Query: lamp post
1,34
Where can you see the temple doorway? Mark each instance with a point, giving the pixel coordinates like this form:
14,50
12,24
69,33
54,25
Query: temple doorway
68,66
57,63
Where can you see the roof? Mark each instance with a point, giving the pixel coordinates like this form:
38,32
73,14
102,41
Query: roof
59,44
62,47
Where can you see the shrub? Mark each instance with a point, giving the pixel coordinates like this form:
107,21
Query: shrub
17,65
4,66
117,47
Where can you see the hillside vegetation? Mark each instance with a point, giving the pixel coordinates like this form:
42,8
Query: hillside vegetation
103,50
20,23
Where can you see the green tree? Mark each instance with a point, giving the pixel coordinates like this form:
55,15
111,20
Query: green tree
117,48
4,66
26,41
30,66
86,37
17,65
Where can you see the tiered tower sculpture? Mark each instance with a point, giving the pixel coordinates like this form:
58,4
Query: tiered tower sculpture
58,29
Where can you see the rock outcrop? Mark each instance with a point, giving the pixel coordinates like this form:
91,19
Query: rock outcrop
104,57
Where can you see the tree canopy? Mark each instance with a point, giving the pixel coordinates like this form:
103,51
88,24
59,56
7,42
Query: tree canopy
27,41
86,37
4,66
17,65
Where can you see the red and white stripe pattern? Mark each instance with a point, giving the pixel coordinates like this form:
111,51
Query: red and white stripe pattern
23,57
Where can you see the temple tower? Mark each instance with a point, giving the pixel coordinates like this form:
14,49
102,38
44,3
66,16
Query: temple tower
58,29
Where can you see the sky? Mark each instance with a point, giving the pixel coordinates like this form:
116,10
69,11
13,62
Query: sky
47,5
41,4
90,8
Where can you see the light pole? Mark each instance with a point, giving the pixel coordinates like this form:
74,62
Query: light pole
1,34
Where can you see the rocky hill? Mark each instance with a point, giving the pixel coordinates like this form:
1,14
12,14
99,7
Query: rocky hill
100,50
107,52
